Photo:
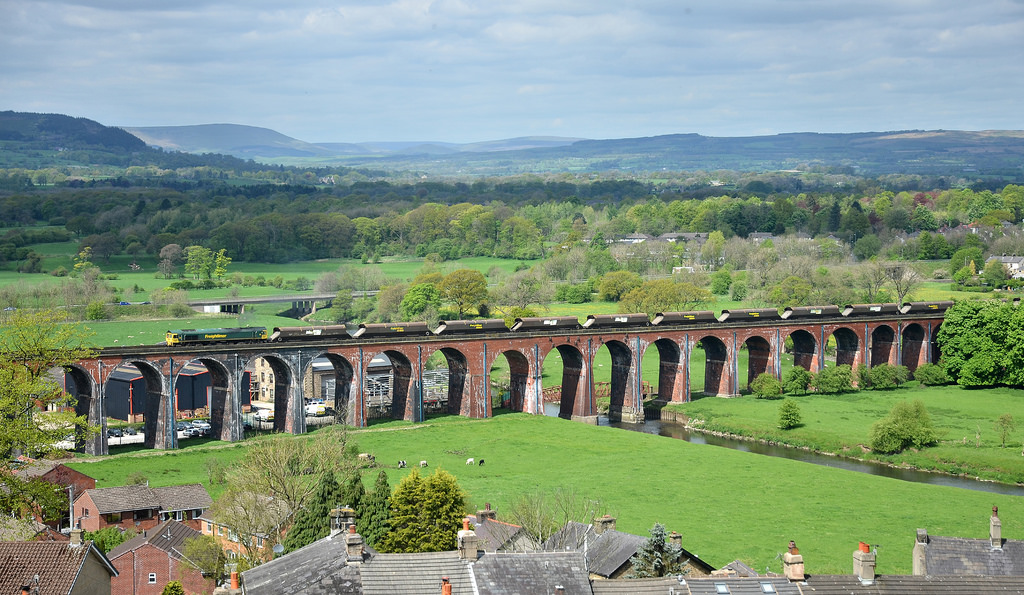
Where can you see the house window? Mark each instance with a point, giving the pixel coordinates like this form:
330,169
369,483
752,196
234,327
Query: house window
114,517
722,588
220,530
179,515
86,511
259,541
197,513
143,514
163,516
152,578
209,526
767,588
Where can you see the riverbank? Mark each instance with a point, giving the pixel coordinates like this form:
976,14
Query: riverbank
838,425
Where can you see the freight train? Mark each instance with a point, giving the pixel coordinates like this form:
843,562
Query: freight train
341,332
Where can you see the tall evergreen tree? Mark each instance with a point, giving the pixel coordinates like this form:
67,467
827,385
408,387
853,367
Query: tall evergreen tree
351,491
658,557
374,512
313,521
426,514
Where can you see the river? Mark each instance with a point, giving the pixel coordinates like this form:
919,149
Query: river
678,431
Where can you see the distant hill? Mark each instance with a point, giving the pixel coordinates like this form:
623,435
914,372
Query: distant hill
248,142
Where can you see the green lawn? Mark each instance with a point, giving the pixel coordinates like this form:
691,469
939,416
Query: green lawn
841,424
727,504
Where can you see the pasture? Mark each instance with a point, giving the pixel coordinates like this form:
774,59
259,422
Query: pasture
726,504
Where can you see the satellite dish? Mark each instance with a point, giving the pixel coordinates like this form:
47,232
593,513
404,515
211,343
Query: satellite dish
278,548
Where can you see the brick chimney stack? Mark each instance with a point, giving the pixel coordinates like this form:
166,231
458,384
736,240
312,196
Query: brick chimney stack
793,563
675,539
605,523
76,537
486,514
468,543
995,529
354,546
864,564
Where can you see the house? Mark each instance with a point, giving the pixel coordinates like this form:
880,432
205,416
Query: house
55,472
1014,265
72,567
147,562
944,556
499,536
140,507
608,551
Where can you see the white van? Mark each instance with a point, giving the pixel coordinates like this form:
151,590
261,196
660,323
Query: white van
263,413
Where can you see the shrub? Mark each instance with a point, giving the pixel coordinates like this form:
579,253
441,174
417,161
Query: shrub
766,386
796,381
95,311
888,377
789,414
907,425
834,380
931,375
573,294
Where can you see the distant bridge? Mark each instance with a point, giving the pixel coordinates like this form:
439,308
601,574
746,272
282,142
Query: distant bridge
302,303
869,336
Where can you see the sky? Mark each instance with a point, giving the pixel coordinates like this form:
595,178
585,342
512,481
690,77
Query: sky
473,70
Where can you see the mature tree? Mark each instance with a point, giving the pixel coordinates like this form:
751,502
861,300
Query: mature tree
546,516
907,425
521,289
903,279
664,295
389,302
200,262
464,288
221,260
206,555
615,284
995,273
419,299
796,380
374,512
281,467
35,412
313,520
981,343
871,278
792,291
107,538
251,517
170,258
658,557
426,514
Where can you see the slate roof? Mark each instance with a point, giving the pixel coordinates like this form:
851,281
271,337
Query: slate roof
140,497
319,568
534,572
494,534
56,562
169,536
962,556
692,586
414,574
914,585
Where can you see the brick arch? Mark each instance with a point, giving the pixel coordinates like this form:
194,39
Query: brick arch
344,376
220,386
805,349
673,377
519,377
574,375
401,367
847,346
883,337
914,346
716,365
156,406
89,405
622,374
759,357
285,380
934,351
458,369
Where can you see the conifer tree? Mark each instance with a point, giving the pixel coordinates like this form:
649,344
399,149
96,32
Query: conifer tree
426,514
658,557
374,512
313,521
351,491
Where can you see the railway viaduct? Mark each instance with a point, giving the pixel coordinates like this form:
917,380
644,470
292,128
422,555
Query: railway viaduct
872,339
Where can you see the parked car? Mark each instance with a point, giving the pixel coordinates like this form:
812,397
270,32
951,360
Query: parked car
316,409
182,426
129,431
201,423
114,432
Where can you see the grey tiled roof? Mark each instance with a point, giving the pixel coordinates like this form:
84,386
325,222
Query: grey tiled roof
388,574
169,536
494,534
534,572
140,497
319,568
961,556
57,563
183,497
915,585
692,586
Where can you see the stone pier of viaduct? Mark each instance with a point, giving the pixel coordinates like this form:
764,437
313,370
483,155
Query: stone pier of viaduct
868,340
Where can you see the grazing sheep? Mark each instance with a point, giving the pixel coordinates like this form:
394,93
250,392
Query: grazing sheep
423,463
365,456
481,462
401,464
469,461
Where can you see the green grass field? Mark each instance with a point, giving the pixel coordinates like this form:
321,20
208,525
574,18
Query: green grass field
727,504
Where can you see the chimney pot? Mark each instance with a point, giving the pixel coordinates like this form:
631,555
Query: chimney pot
793,563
